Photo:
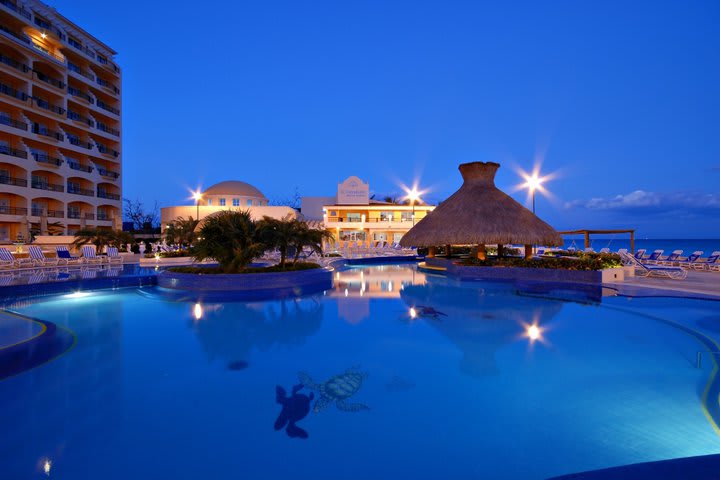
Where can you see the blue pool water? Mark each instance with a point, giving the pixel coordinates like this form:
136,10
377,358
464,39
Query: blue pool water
455,388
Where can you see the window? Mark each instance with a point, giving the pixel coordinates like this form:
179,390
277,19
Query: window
406,216
333,213
209,202
354,217
236,202
386,217
222,202
248,203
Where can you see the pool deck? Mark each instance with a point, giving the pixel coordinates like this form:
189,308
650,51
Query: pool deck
705,467
697,285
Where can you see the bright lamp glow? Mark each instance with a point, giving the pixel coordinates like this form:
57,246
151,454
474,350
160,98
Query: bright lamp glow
197,195
78,295
197,311
43,35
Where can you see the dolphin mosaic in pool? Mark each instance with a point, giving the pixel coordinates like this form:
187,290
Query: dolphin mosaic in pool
294,408
338,389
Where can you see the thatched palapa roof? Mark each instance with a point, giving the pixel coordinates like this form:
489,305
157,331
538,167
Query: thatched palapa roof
480,214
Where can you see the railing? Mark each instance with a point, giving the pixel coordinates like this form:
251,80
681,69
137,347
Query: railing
46,132
7,210
107,151
21,10
49,80
80,191
45,105
48,186
38,212
44,50
11,62
11,92
107,173
13,152
79,118
17,182
103,216
89,216
14,35
82,168
79,143
110,196
74,43
45,158
74,68
108,85
107,107
75,92
5,120
104,128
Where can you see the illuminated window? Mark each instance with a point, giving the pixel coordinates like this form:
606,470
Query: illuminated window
209,202
236,202
249,203
222,202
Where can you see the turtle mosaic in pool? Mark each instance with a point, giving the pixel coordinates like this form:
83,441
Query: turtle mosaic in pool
491,381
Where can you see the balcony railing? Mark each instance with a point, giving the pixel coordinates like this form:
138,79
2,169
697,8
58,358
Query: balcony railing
5,120
38,212
79,143
82,168
49,80
46,132
79,118
103,216
108,85
104,128
107,107
45,158
89,216
11,92
110,196
74,68
80,191
48,186
7,210
75,92
47,52
17,9
45,105
13,35
11,62
13,152
17,182
107,173
107,151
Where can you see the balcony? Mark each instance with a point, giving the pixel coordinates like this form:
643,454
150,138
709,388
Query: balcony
77,214
107,151
104,128
79,143
107,85
13,152
47,186
12,63
11,92
81,168
45,158
80,118
6,120
75,92
80,191
107,173
14,36
6,210
38,212
107,107
46,132
49,80
45,105
47,52
19,9
109,196
75,69
16,182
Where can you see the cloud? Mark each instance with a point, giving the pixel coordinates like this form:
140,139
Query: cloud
640,200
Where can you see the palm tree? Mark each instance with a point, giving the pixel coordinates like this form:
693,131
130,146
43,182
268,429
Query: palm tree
96,236
280,234
308,237
182,231
230,238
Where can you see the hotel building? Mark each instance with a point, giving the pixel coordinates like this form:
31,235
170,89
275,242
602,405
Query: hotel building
351,215
60,160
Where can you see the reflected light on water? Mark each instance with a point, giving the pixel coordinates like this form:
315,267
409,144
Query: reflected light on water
534,332
47,465
413,312
77,295
197,311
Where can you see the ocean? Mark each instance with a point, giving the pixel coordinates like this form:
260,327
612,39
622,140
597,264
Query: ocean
623,241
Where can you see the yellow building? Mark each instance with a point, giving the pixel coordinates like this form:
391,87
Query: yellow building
352,215
228,195
59,123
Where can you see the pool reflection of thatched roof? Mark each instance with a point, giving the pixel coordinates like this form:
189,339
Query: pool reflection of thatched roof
480,214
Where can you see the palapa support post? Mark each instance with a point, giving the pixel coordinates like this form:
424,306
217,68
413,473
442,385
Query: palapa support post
431,252
528,252
448,251
481,254
501,250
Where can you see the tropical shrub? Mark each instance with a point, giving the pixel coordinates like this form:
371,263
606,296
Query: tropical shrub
100,238
571,261
229,238
181,231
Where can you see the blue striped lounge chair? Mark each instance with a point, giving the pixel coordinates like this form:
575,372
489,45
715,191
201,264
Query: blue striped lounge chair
88,255
691,260
640,254
661,271
39,258
653,257
113,256
671,259
7,259
710,263
66,258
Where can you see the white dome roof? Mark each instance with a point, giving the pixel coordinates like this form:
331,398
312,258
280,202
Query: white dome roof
236,188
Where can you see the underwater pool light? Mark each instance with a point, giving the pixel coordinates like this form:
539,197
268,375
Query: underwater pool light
413,312
197,311
78,295
47,465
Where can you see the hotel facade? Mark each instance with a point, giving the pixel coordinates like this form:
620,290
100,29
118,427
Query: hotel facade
60,123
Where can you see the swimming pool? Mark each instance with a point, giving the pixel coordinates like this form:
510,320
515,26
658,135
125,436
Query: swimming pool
419,377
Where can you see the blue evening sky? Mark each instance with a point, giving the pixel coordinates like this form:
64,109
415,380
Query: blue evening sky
621,99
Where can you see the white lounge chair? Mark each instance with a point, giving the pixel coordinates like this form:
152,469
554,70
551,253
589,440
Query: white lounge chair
113,256
88,255
7,259
39,258
671,259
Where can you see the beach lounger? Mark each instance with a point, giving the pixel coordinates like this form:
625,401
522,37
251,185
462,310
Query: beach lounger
622,251
605,250
661,271
39,258
653,257
63,254
671,259
7,259
640,254
113,256
710,263
88,255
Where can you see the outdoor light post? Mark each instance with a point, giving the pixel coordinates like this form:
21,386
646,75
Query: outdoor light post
533,182
413,195
197,196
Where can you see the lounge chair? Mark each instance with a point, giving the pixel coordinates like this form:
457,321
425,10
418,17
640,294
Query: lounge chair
113,256
65,257
39,258
88,255
653,257
7,259
622,251
640,254
605,250
643,270
671,259
710,263
691,259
